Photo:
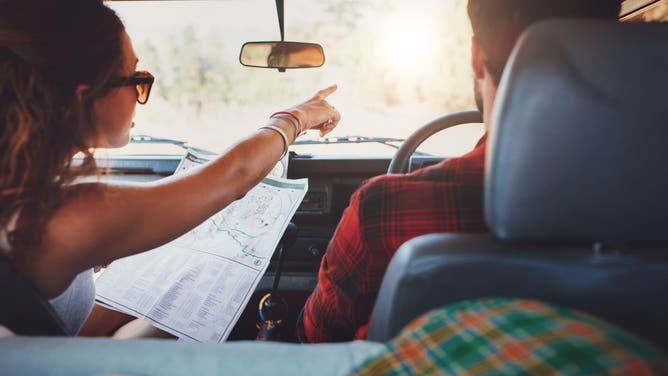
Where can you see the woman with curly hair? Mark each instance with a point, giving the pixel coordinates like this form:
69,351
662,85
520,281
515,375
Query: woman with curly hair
69,84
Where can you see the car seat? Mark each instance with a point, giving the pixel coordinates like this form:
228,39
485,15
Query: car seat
576,187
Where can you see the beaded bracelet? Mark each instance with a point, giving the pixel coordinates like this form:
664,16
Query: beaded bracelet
283,136
293,116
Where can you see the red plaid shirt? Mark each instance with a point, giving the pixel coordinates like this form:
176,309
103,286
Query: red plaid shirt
383,214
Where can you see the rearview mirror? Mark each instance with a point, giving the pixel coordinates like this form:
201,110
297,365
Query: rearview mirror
282,55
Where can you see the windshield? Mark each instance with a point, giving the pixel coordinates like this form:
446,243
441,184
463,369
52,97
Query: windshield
398,65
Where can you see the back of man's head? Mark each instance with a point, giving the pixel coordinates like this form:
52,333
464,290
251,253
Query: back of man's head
498,23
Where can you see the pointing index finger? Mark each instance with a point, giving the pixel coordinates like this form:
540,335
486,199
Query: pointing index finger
324,93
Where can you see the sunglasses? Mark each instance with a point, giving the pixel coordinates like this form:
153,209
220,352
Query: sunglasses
142,81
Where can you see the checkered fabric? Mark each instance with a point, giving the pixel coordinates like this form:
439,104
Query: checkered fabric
513,337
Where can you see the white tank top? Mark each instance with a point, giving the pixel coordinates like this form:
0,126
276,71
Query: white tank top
75,304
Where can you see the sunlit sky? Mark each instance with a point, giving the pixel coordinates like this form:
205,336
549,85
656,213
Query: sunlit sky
233,21
410,42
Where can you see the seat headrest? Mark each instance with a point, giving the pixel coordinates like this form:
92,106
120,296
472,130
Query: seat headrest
579,135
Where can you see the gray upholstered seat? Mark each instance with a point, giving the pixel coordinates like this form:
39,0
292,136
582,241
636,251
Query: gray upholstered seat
576,187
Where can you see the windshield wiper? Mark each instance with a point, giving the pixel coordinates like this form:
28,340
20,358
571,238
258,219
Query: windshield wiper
146,139
357,140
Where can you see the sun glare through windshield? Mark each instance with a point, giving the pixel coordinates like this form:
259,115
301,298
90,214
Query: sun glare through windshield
398,65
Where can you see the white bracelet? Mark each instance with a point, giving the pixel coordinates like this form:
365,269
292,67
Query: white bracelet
283,135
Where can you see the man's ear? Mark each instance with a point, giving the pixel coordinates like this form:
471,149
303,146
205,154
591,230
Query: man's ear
477,59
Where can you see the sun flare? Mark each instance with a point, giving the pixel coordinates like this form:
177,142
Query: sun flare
411,43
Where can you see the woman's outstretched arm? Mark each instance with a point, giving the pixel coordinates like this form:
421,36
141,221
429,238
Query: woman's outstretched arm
99,223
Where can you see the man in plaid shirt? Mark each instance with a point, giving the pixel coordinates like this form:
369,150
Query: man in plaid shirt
448,197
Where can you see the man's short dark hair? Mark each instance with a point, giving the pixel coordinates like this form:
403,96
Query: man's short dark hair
498,23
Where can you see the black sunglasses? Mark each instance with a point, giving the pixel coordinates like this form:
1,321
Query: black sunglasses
142,81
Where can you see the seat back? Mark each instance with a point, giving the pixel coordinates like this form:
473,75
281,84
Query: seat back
22,308
435,270
578,136
575,187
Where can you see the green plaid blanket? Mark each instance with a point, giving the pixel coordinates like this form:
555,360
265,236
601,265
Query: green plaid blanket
502,336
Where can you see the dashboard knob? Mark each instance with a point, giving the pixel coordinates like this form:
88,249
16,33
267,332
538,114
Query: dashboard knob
315,250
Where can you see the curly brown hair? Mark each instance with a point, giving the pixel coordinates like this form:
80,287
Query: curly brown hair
47,49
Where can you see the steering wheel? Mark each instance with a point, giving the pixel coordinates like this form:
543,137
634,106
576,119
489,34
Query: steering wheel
399,164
